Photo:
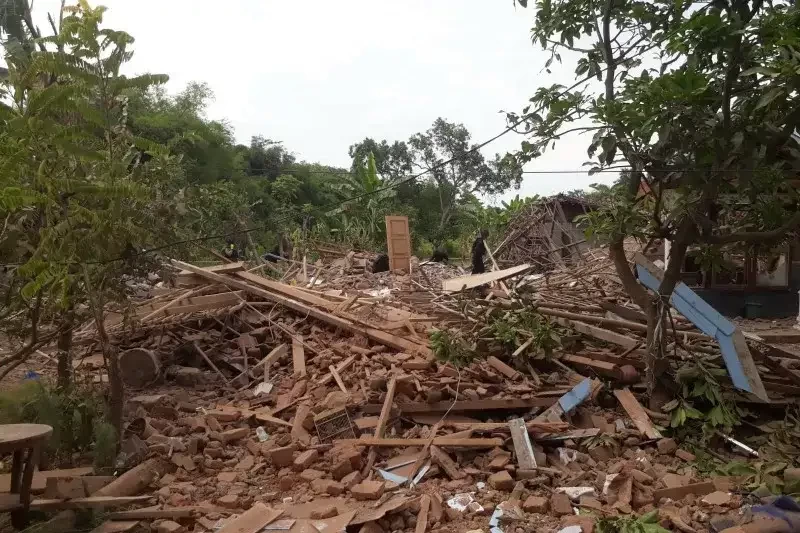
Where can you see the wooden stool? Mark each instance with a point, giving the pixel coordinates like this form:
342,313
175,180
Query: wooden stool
25,442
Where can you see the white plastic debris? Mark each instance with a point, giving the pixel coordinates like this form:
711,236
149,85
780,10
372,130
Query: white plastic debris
575,493
463,501
287,499
263,388
571,529
480,485
609,479
567,455
262,435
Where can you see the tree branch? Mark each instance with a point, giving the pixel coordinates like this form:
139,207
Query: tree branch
755,236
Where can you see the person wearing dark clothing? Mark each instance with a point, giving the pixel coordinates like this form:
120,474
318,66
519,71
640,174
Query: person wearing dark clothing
440,255
478,252
381,264
231,251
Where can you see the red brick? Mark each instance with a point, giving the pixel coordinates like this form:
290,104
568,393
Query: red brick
327,486
305,460
501,481
368,490
667,446
686,456
535,504
282,457
560,504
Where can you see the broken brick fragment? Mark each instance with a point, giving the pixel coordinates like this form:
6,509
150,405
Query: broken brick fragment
501,481
535,504
667,446
305,460
368,490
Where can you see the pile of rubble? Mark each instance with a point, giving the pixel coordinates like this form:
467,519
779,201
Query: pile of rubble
317,404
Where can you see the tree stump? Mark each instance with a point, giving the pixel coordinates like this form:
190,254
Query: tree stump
139,368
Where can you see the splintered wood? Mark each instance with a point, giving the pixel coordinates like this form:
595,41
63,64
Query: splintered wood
637,413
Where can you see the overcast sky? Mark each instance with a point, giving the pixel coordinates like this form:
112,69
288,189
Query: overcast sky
321,75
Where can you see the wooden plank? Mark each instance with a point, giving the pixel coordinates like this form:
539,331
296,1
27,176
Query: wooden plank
423,455
209,362
599,333
398,243
475,280
340,367
522,444
383,419
253,520
501,367
155,513
214,301
298,356
604,368
91,502
438,441
338,379
441,458
422,516
637,413
40,477
227,268
299,432
376,335
467,405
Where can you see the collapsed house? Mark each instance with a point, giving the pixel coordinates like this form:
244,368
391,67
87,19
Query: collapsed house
546,234
314,401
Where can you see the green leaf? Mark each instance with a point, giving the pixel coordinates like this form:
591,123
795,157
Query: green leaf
767,98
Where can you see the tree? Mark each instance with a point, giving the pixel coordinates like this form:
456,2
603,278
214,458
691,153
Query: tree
699,102
458,168
73,182
392,161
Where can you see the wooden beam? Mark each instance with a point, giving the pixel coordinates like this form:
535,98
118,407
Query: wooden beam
467,405
600,333
522,444
338,379
91,502
501,367
604,368
228,268
637,413
444,461
155,513
340,367
383,419
438,441
376,335
298,356
476,280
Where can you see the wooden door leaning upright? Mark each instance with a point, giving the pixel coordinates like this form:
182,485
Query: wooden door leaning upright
398,241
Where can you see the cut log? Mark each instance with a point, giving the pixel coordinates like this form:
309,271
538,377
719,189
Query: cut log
139,368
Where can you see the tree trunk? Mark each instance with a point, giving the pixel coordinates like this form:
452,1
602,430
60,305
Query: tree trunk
64,346
117,389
